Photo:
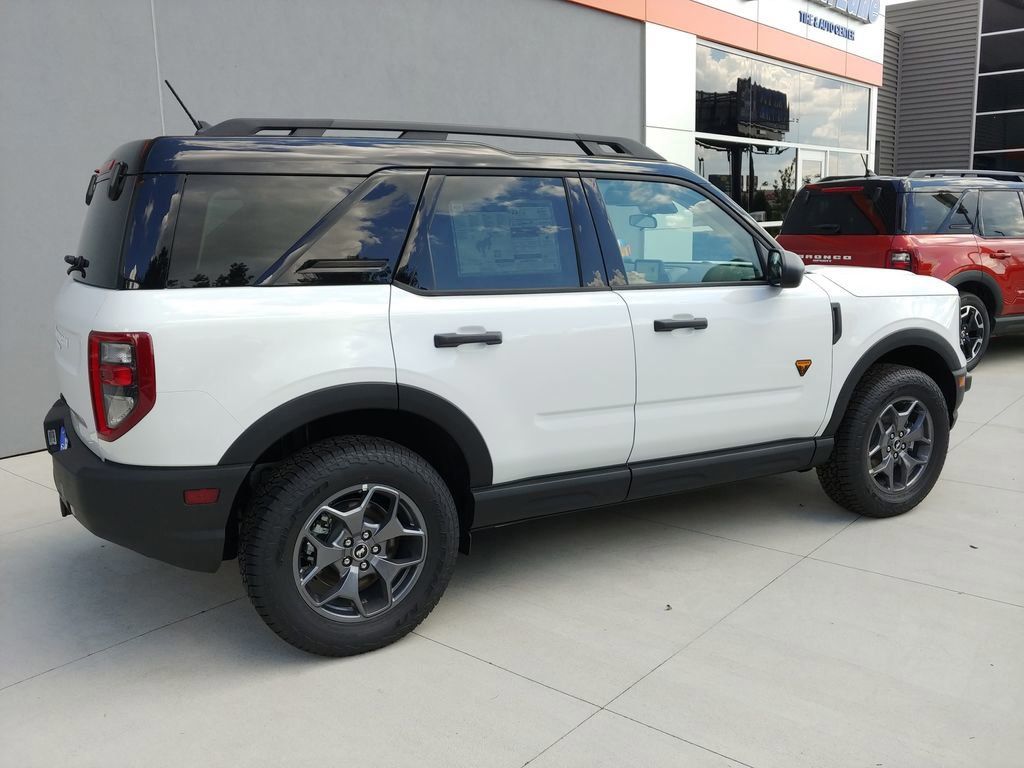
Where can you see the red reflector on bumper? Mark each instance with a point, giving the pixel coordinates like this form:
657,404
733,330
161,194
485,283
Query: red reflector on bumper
202,496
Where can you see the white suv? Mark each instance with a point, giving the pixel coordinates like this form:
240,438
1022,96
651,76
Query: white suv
335,357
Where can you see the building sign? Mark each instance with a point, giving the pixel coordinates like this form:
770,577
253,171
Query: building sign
826,26
867,11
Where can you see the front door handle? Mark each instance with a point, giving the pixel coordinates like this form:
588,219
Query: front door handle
697,323
1001,254
457,339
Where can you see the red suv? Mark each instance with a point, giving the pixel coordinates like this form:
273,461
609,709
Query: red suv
964,227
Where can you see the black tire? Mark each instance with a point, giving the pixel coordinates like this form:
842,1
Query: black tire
969,302
846,477
281,506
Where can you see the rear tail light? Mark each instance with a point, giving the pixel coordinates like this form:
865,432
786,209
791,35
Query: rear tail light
901,260
122,377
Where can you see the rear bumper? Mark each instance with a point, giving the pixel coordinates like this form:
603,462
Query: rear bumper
143,508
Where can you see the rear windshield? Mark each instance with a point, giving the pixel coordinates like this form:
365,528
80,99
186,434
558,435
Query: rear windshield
859,208
230,229
102,235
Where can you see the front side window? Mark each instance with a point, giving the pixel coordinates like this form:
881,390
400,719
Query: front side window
232,228
668,234
1002,215
495,233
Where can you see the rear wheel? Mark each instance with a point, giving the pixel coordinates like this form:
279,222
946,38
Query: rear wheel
348,545
891,444
975,328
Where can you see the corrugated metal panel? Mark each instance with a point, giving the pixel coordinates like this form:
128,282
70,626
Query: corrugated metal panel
937,78
885,132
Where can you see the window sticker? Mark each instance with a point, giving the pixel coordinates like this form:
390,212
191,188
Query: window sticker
514,241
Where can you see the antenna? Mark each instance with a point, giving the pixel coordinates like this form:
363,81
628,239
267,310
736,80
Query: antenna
197,123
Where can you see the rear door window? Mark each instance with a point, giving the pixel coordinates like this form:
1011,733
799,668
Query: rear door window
1002,215
495,233
930,213
231,229
860,209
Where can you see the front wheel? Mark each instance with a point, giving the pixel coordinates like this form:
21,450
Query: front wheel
891,444
348,545
975,328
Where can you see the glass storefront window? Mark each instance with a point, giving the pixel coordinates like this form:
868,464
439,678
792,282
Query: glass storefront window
752,99
1000,161
761,179
1000,15
1002,52
998,92
846,164
1003,131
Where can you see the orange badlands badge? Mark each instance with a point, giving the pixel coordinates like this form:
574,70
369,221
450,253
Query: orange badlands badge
802,366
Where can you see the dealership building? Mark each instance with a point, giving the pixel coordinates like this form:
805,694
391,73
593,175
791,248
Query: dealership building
953,95
758,96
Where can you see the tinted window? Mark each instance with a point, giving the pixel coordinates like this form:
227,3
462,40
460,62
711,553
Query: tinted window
360,240
489,233
1001,52
996,92
232,228
673,235
147,252
868,209
930,213
103,235
999,15
1000,161
1002,215
999,131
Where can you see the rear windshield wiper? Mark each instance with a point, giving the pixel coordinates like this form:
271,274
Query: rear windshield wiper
833,229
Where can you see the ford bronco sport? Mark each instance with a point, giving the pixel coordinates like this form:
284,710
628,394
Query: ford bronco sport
334,357
964,227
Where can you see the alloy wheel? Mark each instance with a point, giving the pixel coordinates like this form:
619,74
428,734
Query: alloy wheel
972,331
360,553
900,445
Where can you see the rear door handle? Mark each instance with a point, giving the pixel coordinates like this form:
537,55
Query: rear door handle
458,339
1001,254
697,323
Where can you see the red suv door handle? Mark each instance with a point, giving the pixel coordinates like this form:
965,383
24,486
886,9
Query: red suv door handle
1001,254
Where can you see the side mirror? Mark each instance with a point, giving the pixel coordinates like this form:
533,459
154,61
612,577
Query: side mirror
785,269
643,221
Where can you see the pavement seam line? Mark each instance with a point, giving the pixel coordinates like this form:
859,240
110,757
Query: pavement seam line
727,538
28,527
505,669
919,583
27,479
562,737
122,642
678,738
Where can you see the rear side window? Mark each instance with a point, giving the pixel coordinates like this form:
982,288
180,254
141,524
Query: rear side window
930,213
103,235
1002,215
862,209
494,233
231,229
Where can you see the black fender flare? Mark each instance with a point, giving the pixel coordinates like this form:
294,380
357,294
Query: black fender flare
977,276
348,398
906,338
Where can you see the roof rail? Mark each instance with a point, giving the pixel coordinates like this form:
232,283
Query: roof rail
590,144
946,172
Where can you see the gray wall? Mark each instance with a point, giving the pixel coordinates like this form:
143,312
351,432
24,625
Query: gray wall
885,132
79,78
937,78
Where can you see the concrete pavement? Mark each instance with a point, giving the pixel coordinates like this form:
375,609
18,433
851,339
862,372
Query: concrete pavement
756,624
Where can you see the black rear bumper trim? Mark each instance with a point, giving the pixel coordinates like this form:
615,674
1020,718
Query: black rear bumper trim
143,508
